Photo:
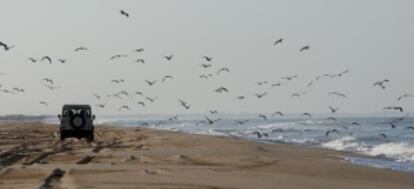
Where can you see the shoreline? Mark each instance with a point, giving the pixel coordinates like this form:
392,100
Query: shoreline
147,158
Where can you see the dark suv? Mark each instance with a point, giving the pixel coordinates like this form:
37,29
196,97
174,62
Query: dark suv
76,121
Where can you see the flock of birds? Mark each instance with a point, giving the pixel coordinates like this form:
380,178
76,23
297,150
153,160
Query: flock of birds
207,64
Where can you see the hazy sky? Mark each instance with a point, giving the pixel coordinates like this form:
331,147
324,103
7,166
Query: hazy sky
371,38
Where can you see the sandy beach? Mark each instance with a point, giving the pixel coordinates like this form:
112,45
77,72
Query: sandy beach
31,156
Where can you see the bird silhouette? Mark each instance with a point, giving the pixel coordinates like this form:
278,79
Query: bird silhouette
33,60
118,56
221,90
260,95
44,103
151,83
280,40
80,49
394,108
331,131
210,121
381,83
338,94
100,105
289,78
46,58
333,110
62,60
138,50
150,99
123,108
332,118
304,48
184,104
240,97
278,113
124,13
405,96
167,77
307,114
169,57
383,135
263,117
141,103
208,59
5,46
206,65
224,69
140,60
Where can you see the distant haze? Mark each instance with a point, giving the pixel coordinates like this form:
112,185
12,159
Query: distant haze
373,39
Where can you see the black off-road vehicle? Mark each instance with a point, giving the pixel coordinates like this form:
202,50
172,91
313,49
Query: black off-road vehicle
76,121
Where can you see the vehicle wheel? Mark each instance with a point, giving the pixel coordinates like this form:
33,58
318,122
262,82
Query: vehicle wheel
90,137
62,136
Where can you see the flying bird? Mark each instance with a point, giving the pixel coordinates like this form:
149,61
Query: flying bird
331,131
221,90
304,48
151,83
383,135
118,56
140,60
206,65
80,49
289,78
62,60
138,50
46,58
381,83
124,13
333,110
241,122
123,107
100,105
208,59
150,99
224,69
5,46
278,113
32,60
141,103
338,94
332,118
278,41
184,104
307,114
43,103
169,57
167,77
394,108
210,121
404,96
263,117
260,95
241,97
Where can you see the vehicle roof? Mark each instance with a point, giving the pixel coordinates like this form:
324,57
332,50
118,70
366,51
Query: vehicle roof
85,106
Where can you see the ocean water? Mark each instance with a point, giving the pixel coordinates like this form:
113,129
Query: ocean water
395,152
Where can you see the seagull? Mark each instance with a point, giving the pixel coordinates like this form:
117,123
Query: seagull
208,59
404,96
32,60
393,126
124,13
117,81
224,69
62,60
167,77
260,83
204,76
304,48
381,83
383,135
5,46
333,110
141,103
276,84
221,90
123,107
260,95
139,93
295,95
263,117
138,50
48,81
206,65
394,108
150,99
184,104
210,121
241,97
307,114
169,57
81,49
278,113
46,58
151,83
331,131
260,135
289,78
118,56
338,94
278,41
43,103
140,60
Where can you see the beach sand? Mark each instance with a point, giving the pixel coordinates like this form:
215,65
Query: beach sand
32,156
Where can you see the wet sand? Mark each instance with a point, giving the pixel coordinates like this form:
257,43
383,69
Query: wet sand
31,156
